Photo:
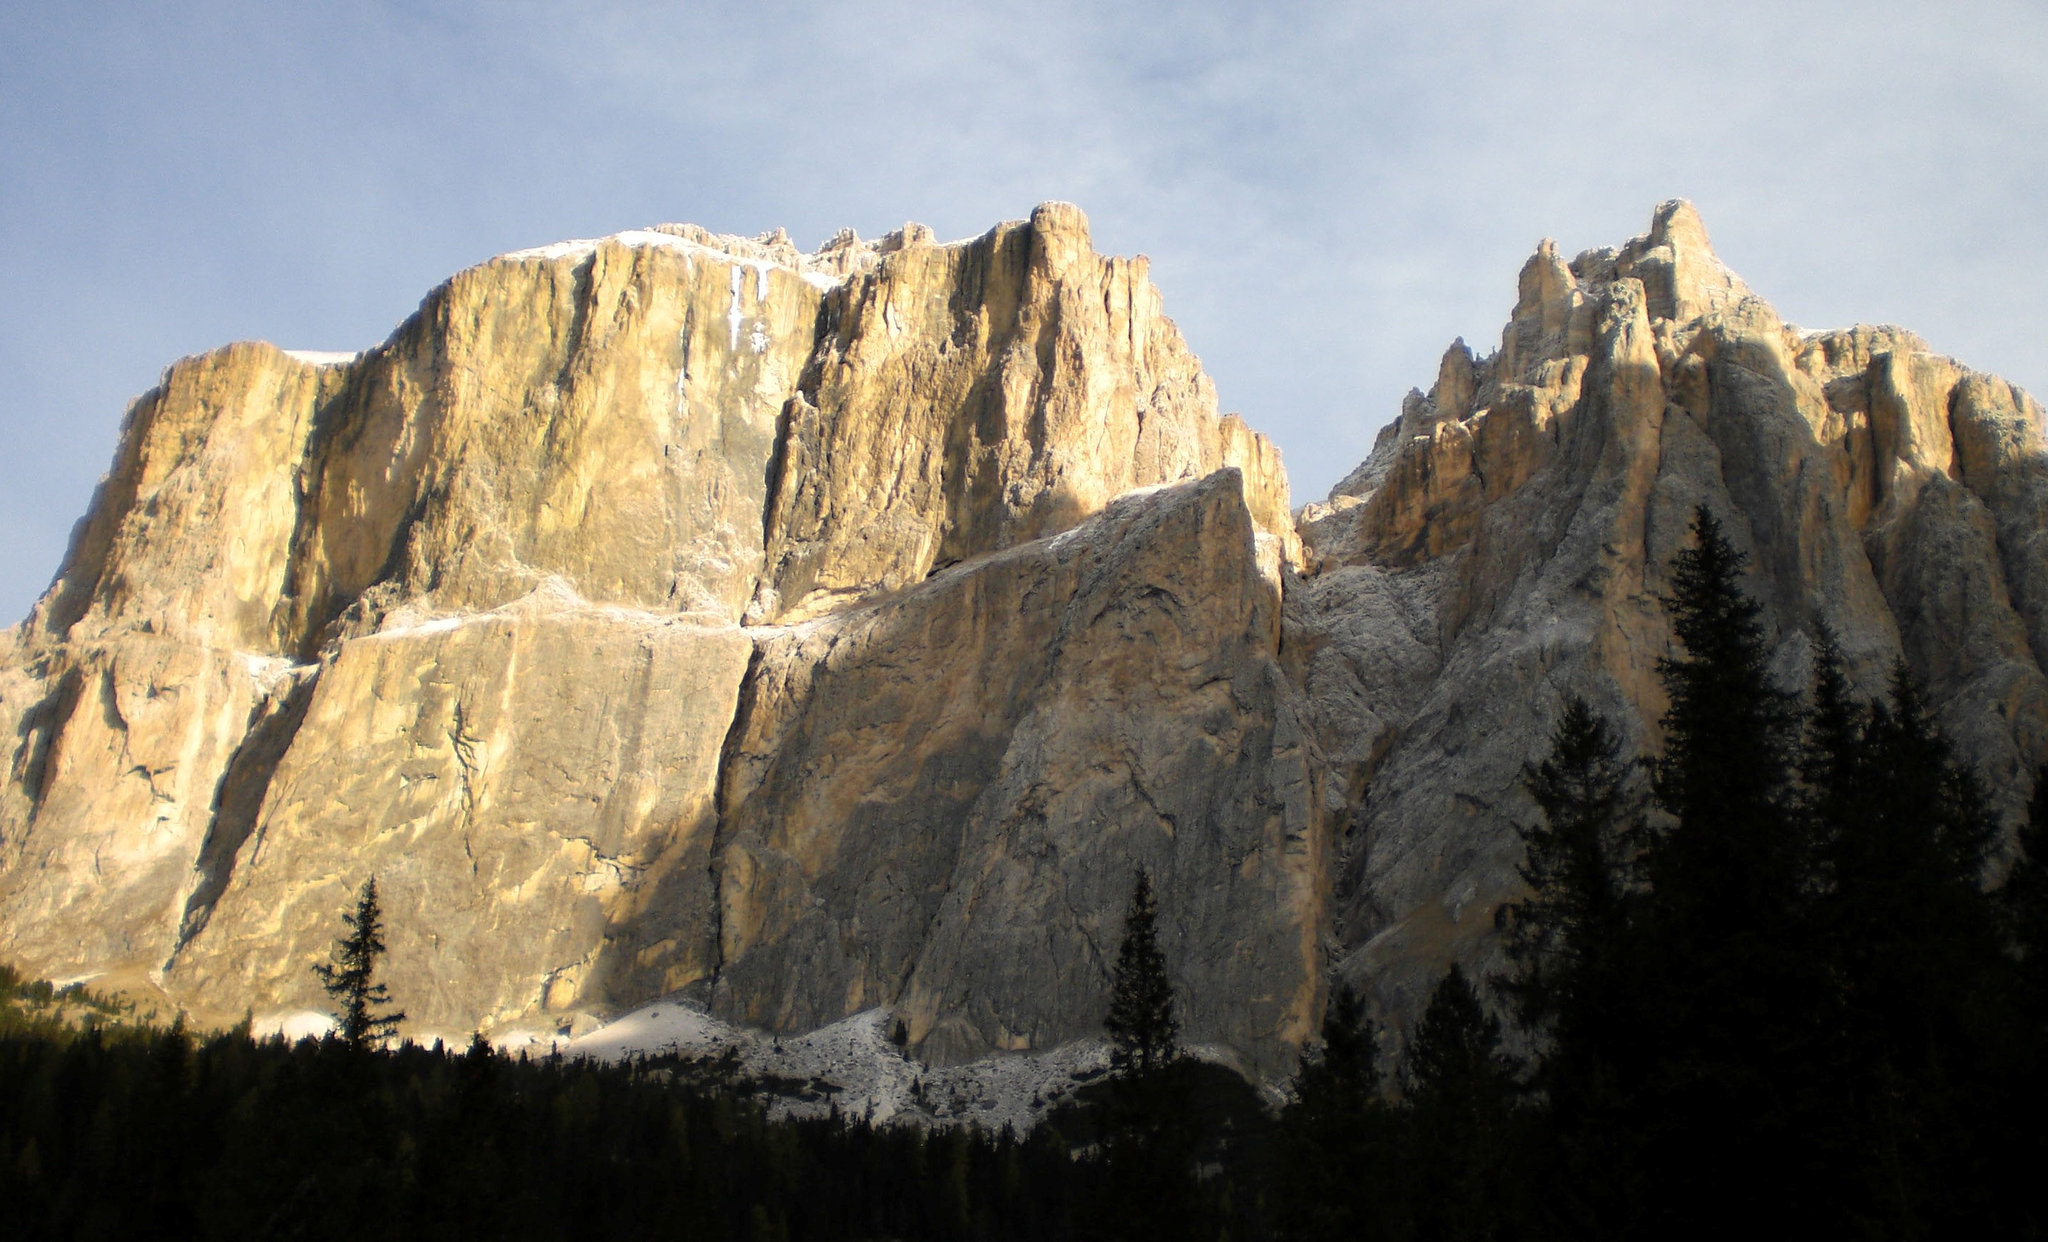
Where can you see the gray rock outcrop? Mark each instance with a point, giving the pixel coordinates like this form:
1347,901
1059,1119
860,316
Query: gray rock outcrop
1509,540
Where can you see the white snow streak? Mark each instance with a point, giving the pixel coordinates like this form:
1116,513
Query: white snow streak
735,316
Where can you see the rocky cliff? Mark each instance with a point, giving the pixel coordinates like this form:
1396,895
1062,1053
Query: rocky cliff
679,613
801,634
1508,543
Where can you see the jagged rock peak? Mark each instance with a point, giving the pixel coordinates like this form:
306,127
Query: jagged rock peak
1672,268
1508,543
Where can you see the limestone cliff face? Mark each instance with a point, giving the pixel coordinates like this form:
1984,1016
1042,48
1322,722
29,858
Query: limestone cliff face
806,633
1026,379
936,803
1508,541
466,611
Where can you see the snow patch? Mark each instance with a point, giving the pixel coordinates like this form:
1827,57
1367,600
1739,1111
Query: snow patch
853,1065
323,357
294,1025
439,625
735,316
575,249
669,1026
268,671
693,251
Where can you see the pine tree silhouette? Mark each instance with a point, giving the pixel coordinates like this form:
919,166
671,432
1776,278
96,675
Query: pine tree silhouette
2025,900
1461,1092
350,977
1730,749
1733,991
1143,1032
1912,947
1563,937
1339,1166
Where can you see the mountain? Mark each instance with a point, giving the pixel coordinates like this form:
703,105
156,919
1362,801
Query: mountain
1509,542
678,615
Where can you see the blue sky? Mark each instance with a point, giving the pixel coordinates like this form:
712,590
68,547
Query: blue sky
1328,192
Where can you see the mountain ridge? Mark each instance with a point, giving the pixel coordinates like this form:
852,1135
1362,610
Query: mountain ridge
679,615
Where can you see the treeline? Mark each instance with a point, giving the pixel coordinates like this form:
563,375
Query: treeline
1758,986
126,1132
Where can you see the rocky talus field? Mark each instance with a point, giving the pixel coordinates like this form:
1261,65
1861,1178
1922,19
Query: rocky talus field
680,618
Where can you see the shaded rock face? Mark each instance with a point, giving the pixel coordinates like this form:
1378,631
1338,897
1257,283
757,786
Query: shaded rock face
935,803
676,614
566,610
1509,540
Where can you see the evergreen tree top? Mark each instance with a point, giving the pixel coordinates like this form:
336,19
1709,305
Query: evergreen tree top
1143,1031
350,977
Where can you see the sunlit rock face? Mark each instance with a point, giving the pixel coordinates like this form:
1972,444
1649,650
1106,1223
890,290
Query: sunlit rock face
683,613
1509,541
677,615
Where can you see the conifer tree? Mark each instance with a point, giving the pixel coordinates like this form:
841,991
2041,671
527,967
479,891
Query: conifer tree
2025,900
351,977
1455,1057
1339,1149
1340,1078
1143,1032
1911,943
1564,937
1905,914
1574,952
1461,1092
1736,856
1832,759
2022,1083
1731,994
1149,1137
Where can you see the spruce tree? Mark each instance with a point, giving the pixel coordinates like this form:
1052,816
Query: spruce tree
1339,1150
1143,1032
1462,1143
1905,913
1736,857
1832,756
1564,936
2023,1083
351,977
1575,961
2025,902
1911,942
1731,995
1149,1135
